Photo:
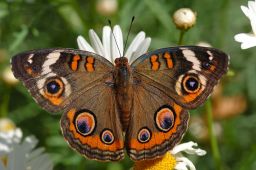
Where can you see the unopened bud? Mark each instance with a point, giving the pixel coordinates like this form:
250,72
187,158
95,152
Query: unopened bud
184,18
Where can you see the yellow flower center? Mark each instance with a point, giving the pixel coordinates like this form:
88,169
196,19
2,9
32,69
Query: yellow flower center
167,162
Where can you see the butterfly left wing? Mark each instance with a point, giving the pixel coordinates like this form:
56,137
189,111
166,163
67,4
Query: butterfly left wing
80,84
167,82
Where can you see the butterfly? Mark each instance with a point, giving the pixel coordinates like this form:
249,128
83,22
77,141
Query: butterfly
108,108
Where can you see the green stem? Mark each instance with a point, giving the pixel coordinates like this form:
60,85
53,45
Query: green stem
213,139
182,32
5,103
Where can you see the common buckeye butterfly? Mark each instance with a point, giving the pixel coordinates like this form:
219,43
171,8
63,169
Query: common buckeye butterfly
147,100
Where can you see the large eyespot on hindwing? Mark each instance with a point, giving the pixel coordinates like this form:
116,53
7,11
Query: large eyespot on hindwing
165,118
84,122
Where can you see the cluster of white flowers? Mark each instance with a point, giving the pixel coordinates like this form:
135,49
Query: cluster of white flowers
16,154
248,40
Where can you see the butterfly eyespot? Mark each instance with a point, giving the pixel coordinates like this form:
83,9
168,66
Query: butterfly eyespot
164,118
191,84
144,135
107,136
54,87
85,122
206,65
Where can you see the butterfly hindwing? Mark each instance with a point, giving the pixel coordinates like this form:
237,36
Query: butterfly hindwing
157,123
92,127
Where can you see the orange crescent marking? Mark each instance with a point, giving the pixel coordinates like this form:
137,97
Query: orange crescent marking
158,137
93,141
190,97
54,100
169,61
154,62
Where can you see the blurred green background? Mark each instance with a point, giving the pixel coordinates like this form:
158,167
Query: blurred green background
32,24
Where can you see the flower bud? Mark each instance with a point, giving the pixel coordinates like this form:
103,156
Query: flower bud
6,125
8,76
106,7
184,18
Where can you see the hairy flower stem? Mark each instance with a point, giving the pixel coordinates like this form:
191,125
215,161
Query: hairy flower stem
213,139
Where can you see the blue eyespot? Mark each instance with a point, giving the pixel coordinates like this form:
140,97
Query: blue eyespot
107,136
83,126
191,83
53,87
165,118
144,135
85,122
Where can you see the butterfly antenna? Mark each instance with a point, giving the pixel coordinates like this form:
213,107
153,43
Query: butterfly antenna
109,22
129,32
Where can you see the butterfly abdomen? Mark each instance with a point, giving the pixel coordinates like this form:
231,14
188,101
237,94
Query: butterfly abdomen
124,91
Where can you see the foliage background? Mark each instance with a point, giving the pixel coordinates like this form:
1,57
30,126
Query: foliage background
32,24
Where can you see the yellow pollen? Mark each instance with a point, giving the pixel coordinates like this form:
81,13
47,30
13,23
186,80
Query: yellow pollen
167,162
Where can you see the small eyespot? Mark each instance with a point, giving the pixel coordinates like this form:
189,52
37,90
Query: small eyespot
54,87
107,136
191,84
85,122
144,135
165,118
206,65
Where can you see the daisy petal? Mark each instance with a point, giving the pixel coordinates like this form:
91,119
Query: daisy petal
106,35
247,40
188,148
246,11
83,44
96,43
142,48
117,43
186,162
134,44
252,6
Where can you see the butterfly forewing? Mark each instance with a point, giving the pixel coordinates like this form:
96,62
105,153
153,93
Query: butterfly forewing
186,74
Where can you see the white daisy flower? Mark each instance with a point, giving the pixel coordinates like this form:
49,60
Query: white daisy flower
248,40
184,163
16,154
173,160
108,46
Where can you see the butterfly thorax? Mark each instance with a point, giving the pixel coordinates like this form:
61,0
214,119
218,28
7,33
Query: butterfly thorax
123,85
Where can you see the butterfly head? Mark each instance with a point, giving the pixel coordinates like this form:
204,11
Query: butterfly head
121,62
